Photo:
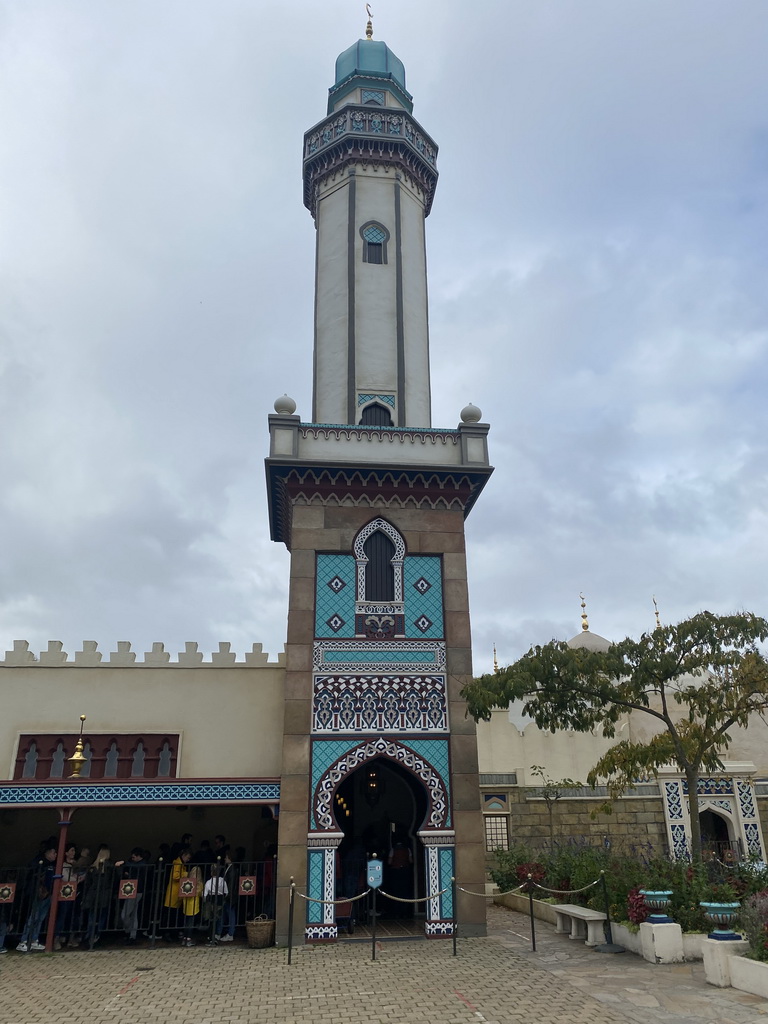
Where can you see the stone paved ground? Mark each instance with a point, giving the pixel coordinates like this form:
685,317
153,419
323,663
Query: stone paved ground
496,980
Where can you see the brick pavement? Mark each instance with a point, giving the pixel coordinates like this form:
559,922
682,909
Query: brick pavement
496,980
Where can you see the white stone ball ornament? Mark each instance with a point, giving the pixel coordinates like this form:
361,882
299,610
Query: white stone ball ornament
285,406
470,414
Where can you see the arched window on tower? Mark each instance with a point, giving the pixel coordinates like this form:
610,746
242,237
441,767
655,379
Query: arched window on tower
379,572
376,415
375,237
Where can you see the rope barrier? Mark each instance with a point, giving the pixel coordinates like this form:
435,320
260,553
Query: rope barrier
565,892
333,903
353,899
422,899
489,895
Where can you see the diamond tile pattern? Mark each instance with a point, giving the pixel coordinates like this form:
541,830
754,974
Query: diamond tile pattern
337,602
325,752
423,603
315,885
436,752
446,873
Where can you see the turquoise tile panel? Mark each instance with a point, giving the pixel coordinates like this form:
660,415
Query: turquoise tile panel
315,886
446,873
436,752
335,596
423,596
325,752
382,657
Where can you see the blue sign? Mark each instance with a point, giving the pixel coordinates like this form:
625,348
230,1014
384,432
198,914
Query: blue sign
374,874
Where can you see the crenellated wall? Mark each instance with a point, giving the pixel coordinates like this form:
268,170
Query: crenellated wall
91,655
226,708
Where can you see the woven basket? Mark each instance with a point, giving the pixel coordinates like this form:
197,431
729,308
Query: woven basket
260,932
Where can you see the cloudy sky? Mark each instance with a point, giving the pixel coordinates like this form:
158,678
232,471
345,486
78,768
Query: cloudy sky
597,254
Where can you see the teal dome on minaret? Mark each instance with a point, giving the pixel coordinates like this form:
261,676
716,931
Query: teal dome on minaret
369,57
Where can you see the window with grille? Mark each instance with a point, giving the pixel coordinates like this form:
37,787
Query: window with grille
379,573
147,756
375,238
376,415
496,832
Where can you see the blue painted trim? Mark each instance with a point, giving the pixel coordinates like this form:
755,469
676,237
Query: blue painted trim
138,792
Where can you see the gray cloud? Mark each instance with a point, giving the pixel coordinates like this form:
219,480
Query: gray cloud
597,283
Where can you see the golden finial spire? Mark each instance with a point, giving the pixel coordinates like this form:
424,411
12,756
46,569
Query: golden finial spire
584,619
656,612
78,759
369,26
495,660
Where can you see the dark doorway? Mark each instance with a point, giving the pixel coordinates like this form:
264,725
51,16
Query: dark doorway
714,834
380,808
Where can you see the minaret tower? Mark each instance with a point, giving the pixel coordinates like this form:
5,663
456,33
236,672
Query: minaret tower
369,178
370,499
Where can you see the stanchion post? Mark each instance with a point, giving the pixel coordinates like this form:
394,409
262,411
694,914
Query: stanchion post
158,879
610,946
290,919
373,928
530,912
455,913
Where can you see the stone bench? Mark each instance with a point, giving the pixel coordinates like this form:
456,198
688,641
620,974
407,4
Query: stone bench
580,923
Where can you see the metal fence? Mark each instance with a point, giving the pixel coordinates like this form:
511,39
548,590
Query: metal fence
136,901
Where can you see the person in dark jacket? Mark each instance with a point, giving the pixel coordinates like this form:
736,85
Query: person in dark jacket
41,902
134,870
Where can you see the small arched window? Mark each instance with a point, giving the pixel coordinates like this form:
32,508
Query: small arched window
375,237
57,761
110,764
379,572
137,767
376,415
164,764
30,762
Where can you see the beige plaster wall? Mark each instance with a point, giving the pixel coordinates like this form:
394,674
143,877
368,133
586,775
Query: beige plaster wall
230,717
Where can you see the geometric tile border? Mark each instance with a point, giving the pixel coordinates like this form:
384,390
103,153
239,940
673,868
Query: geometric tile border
137,792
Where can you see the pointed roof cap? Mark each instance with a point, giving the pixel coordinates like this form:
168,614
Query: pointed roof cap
370,56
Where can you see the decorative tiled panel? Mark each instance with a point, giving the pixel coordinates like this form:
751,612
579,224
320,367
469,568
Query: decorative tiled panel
335,596
147,793
321,933
708,786
386,399
446,873
679,842
423,596
438,929
379,627
434,751
752,836
746,801
315,885
379,704
327,752
396,655
674,803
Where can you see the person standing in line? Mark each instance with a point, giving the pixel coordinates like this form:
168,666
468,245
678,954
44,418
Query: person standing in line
41,902
136,871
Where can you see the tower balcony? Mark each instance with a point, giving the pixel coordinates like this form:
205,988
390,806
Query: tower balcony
421,466
364,133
